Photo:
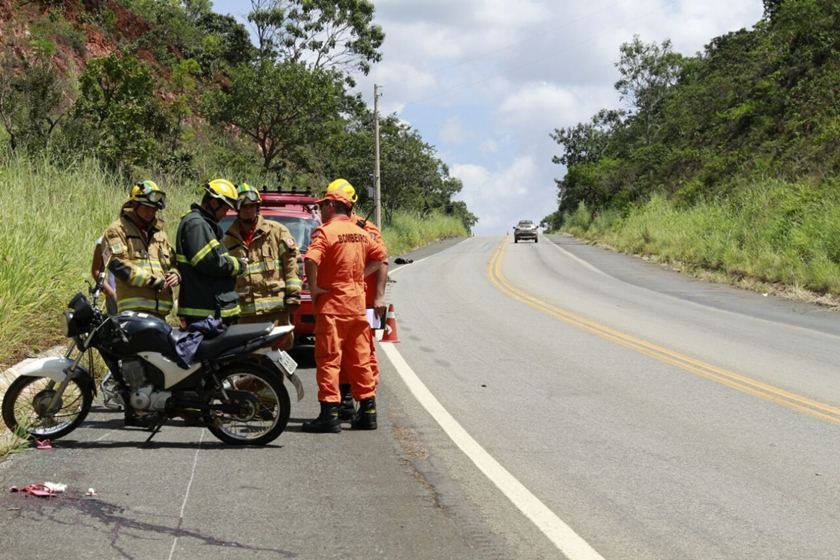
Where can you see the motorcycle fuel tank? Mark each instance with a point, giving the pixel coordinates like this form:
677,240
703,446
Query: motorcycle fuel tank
144,332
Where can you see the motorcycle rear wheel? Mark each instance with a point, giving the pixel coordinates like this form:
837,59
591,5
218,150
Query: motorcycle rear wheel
261,424
25,402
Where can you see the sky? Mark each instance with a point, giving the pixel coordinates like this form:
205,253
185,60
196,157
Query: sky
487,81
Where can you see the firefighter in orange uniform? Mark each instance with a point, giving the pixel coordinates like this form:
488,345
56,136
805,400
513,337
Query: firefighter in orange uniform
374,283
340,256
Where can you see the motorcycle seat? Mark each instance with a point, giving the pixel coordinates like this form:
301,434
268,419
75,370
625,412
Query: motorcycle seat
235,335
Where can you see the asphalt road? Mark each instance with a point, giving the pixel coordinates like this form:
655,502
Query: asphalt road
545,400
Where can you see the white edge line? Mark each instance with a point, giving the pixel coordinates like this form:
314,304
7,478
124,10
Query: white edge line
560,534
186,495
579,260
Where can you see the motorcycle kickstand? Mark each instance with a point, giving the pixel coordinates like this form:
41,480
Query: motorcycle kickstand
155,430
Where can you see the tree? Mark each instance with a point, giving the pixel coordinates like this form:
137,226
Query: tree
121,119
586,142
224,40
771,7
33,97
459,208
198,9
338,34
648,72
413,176
285,108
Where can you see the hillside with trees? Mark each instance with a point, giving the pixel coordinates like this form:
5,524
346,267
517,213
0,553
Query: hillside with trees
727,160
172,90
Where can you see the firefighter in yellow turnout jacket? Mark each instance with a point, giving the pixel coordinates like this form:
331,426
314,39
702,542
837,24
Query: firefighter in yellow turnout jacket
269,289
139,254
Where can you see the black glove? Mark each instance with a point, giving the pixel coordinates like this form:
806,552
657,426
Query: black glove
156,283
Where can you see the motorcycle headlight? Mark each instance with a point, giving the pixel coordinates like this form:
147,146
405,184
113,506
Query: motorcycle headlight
78,315
70,327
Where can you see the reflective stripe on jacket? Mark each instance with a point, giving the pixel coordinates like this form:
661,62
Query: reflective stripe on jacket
137,256
208,272
271,280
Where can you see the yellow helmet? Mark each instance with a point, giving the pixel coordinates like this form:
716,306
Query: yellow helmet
222,189
248,194
148,194
345,187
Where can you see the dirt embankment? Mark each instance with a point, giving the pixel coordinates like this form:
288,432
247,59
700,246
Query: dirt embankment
18,18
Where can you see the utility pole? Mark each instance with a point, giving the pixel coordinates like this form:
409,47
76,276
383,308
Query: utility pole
377,192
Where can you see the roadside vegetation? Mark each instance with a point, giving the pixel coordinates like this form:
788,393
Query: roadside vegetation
409,231
774,232
726,161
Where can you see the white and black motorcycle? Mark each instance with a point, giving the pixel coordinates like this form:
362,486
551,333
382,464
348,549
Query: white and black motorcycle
234,386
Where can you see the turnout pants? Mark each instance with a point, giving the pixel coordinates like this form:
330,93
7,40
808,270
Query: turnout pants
342,344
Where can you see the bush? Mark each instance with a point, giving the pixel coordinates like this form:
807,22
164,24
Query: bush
770,230
409,231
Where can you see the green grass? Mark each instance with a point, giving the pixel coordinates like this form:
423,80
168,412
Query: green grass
769,231
409,231
51,219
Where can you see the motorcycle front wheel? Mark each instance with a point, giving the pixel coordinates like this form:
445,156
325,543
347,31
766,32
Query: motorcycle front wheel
26,407
263,401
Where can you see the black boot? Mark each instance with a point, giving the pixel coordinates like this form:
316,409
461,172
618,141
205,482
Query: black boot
327,422
365,418
347,409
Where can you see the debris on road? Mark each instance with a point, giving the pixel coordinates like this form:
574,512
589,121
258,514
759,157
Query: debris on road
43,444
90,492
39,490
403,260
56,486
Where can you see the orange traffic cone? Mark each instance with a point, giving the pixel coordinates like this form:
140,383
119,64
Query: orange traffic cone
390,334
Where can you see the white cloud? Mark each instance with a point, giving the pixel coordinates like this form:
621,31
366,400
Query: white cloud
400,83
489,146
534,110
452,131
502,197
535,105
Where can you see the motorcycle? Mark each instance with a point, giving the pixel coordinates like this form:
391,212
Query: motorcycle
234,386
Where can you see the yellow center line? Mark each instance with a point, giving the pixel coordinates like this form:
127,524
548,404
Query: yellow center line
714,373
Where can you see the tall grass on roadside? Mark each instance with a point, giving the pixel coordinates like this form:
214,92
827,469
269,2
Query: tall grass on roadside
409,231
772,231
51,219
